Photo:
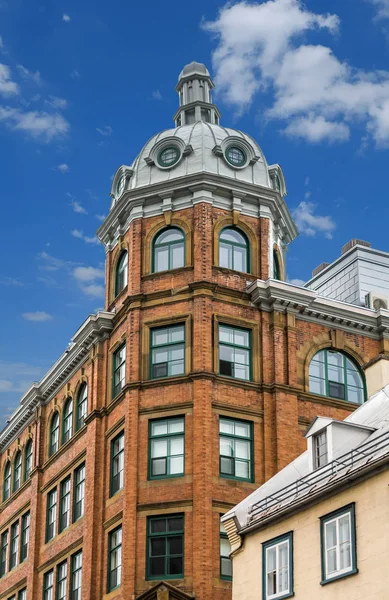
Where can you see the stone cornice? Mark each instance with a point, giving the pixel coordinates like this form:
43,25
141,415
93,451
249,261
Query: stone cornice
94,328
219,191
309,305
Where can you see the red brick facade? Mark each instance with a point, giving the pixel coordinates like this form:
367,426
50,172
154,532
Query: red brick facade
276,401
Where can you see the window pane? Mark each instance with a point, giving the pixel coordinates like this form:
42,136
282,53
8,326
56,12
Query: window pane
335,359
176,425
177,259
226,466
177,446
175,566
317,369
240,260
159,428
158,546
177,334
355,395
242,469
335,374
158,525
157,566
159,337
175,545
176,465
169,235
225,256
175,524
242,449
331,537
353,378
232,235
162,259
158,448
226,426
226,567
331,560
242,372
158,466
226,447
242,429
241,338
317,386
226,353
226,334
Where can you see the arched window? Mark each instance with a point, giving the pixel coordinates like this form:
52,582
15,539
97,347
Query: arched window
54,434
168,250
333,374
276,266
233,250
82,406
7,481
121,274
17,471
67,428
27,460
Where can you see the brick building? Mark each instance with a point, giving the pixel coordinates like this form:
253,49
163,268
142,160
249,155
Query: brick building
192,388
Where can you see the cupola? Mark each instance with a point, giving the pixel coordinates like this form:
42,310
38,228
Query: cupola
194,90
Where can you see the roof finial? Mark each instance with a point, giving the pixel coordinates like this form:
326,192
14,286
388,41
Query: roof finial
194,89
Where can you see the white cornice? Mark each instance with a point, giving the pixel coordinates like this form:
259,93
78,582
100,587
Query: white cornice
95,327
309,305
148,201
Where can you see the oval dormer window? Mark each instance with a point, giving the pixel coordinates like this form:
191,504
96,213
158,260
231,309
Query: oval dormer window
168,156
236,156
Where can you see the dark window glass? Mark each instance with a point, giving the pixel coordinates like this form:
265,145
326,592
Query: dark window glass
64,508
28,460
51,514
165,547
235,449
121,275
76,580
276,266
234,352
54,434
25,537
67,426
119,370
233,250
167,447
167,351
117,463
82,406
7,481
22,594
48,586
115,559
14,546
225,560
4,553
168,250
62,576
333,374
79,492
17,471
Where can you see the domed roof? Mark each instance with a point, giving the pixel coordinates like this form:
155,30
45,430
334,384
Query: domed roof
201,147
194,68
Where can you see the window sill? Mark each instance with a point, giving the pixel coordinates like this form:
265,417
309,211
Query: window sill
15,494
228,271
162,477
117,297
337,577
163,578
327,400
148,276
239,479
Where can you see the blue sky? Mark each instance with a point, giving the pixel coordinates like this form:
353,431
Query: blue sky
84,84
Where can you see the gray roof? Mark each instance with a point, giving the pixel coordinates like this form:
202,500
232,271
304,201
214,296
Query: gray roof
296,484
194,68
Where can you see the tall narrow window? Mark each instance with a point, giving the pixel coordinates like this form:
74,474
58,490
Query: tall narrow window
25,537
121,275
82,406
62,576
14,545
76,580
166,447
168,250
67,426
225,560
79,492
4,553
234,352
235,449
119,369
7,482
17,471
276,266
338,544
64,507
54,434
117,463
28,460
51,514
277,557
165,547
167,351
115,559
333,374
320,449
233,250
48,586
22,594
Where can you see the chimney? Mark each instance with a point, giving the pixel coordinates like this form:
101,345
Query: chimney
352,243
319,268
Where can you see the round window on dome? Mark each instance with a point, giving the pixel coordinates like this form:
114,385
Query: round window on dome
236,156
168,156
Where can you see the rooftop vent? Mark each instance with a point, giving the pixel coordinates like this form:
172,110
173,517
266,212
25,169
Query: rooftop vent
353,243
319,268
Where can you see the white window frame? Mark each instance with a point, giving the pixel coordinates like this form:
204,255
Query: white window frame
336,519
277,545
316,437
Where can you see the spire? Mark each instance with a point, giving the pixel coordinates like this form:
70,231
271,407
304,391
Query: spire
194,90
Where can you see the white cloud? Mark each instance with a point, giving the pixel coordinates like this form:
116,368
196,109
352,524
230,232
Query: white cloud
57,102
100,217
299,282
11,281
75,74
65,18
78,208
310,223
106,130
87,278
77,233
314,94
26,74
157,95
38,316
7,86
62,168
17,377
93,290
382,8
39,125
